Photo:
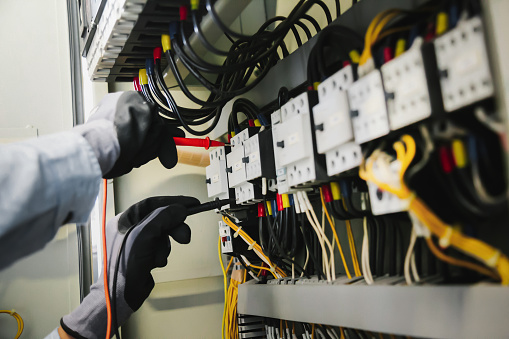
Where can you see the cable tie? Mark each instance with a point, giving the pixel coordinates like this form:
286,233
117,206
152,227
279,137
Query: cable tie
251,246
492,262
236,234
445,240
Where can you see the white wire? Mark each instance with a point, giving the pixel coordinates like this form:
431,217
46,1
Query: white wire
366,269
413,267
413,238
326,240
307,259
305,207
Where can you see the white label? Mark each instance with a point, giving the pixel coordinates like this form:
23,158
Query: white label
467,62
293,139
215,178
253,157
281,171
336,119
237,166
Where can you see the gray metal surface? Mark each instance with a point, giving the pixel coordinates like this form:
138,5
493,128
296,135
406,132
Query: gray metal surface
421,311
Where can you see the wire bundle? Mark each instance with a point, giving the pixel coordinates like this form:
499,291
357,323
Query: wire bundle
245,64
496,262
19,320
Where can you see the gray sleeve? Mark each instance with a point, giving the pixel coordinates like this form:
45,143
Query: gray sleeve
45,183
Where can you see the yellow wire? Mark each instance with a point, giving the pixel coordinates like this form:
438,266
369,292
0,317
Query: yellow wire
373,31
405,152
19,320
225,283
351,241
258,250
335,235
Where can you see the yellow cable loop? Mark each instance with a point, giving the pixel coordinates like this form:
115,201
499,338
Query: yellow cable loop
225,283
483,252
19,320
335,235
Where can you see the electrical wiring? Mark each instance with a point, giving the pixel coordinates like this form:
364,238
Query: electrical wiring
19,321
366,269
408,256
105,261
405,151
332,225
225,283
313,220
275,271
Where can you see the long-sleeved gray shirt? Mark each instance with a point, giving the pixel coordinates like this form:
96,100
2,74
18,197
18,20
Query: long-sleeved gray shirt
44,183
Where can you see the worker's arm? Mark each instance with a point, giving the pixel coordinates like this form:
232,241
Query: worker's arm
54,180
143,229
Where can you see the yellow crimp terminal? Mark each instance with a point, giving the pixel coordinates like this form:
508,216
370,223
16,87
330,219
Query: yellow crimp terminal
232,133
400,47
336,193
269,207
257,123
354,56
442,23
286,200
460,153
195,4
315,85
165,42
142,75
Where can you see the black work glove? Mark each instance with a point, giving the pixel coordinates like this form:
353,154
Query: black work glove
125,132
148,224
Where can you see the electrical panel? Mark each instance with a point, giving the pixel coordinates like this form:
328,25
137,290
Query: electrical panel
463,65
348,172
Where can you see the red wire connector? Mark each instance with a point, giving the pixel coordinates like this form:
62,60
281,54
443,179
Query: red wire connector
327,194
280,206
183,13
261,210
157,53
197,142
446,159
136,83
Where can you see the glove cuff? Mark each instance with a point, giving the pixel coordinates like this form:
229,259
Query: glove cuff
102,137
89,319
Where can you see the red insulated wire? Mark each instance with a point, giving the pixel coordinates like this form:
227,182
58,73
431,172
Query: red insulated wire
197,142
105,262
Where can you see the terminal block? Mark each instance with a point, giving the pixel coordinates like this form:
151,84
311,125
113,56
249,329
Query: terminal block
236,160
463,65
295,144
409,98
259,156
367,108
333,127
216,178
225,234
281,175
383,202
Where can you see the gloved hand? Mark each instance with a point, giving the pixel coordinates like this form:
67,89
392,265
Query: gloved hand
126,132
147,247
